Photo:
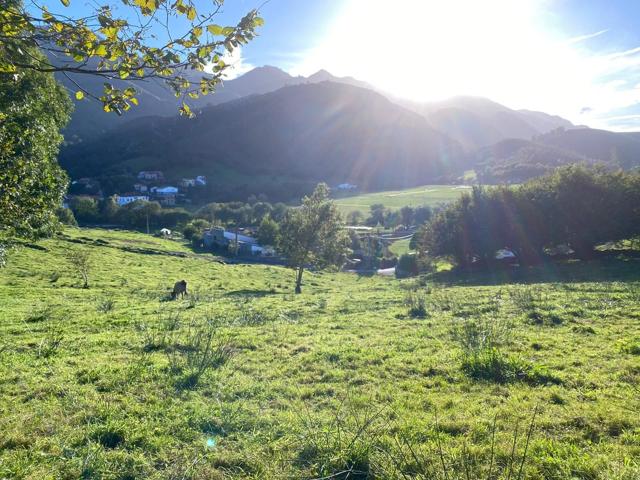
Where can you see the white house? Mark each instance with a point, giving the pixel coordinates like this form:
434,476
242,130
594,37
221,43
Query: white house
140,187
347,186
201,180
188,182
127,198
165,191
150,175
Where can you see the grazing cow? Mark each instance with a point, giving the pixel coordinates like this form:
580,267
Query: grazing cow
179,289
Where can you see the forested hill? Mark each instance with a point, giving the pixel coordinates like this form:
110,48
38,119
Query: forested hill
156,98
515,160
310,132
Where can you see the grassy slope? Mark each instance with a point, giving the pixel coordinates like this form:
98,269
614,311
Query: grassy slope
305,372
425,195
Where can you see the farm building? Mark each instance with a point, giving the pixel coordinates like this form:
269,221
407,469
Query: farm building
128,198
150,175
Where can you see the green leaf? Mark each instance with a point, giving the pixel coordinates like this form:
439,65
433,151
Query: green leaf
79,95
258,21
215,29
66,2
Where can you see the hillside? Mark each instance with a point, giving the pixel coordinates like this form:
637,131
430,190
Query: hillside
94,381
312,132
515,161
156,99
477,122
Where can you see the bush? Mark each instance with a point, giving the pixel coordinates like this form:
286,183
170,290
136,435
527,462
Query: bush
417,303
407,265
492,365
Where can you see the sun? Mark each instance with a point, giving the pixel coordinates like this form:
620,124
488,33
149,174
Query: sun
429,50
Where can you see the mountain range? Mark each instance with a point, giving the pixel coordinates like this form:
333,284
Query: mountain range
269,129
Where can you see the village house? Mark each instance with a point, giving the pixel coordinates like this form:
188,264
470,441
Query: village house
347,186
201,180
140,187
187,182
128,198
151,175
165,191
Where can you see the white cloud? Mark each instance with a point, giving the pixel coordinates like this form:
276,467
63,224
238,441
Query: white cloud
501,49
237,64
589,36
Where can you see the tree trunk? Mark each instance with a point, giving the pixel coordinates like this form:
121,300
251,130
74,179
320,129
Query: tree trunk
299,280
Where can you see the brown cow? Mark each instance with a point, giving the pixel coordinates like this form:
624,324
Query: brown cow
179,289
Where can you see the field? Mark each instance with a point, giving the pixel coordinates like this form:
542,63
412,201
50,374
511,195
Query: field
357,377
426,195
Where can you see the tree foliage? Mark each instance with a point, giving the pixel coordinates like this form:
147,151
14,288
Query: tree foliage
33,109
313,235
575,206
138,40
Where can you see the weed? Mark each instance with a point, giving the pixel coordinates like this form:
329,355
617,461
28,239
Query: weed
51,341
417,304
106,305
40,313
201,348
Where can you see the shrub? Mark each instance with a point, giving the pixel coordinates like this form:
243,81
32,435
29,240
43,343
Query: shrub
201,348
417,303
407,266
106,305
80,260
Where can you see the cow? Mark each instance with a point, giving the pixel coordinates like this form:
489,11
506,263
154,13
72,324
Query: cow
179,289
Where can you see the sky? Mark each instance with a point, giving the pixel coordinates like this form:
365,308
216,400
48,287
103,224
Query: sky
576,58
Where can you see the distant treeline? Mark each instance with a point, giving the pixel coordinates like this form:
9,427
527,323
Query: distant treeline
142,214
576,207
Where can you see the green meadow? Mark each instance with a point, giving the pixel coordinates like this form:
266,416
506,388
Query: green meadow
519,374
430,195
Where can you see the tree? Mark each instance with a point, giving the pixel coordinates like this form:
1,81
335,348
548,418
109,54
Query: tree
355,218
313,235
81,261
85,209
33,109
268,232
141,39
377,215
407,216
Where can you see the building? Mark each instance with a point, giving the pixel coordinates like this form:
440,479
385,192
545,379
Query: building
187,182
165,191
347,186
167,200
150,175
201,180
128,198
140,187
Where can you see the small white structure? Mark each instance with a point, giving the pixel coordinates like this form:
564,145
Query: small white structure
165,232
505,254
201,180
347,186
140,187
128,198
165,191
187,182
150,175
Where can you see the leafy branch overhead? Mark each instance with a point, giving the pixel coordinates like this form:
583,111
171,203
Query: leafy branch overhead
166,40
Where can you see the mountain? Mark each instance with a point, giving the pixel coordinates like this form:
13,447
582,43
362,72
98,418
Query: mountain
157,99
310,132
516,160
477,122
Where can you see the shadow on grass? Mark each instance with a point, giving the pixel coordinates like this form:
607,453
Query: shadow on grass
252,292
618,269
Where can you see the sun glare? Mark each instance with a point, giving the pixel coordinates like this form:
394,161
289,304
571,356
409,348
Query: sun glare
429,50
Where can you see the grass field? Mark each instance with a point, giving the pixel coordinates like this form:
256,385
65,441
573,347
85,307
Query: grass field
425,195
357,377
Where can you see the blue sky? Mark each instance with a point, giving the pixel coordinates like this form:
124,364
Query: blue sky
575,58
